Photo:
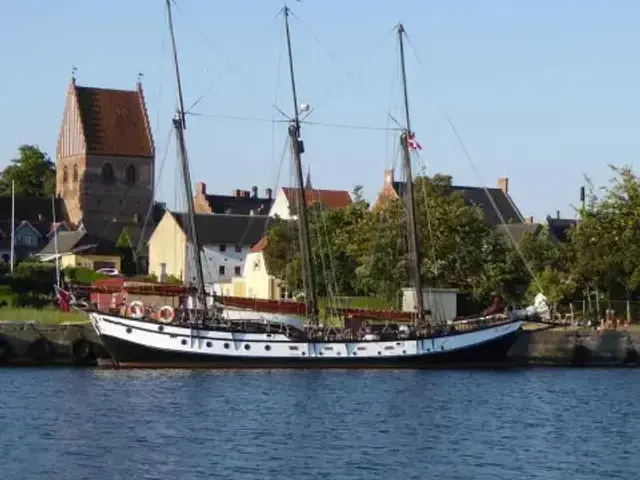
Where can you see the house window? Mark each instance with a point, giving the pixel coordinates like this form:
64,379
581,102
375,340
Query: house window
223,247
237,271
107,175
75,174
28,240
131,176
238,248
221,270
65,175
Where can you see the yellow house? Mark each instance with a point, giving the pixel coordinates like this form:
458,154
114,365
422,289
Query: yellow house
258,282
225,241
80,249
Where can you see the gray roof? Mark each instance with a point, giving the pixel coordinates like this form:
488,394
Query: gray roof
478,196
229,229
77,241
518,230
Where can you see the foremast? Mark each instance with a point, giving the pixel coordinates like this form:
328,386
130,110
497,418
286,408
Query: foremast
297,149
409,197
179,125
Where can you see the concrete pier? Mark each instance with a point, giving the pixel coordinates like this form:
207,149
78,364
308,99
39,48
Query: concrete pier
24,343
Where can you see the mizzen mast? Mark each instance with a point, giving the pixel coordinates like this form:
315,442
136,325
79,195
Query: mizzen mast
412,230
297,149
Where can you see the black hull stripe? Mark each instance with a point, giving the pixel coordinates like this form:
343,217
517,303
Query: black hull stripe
132,355
270,340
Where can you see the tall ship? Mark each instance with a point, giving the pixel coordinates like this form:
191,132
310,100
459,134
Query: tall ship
227,332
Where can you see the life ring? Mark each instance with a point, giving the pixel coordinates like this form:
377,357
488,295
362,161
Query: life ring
136,309
166,314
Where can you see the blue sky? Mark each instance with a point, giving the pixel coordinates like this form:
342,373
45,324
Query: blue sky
540,91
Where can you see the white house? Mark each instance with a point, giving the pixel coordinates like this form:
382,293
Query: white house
285,198
225,240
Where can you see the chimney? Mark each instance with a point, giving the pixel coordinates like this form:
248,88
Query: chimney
269,193
503,184
254,191
388,177
237,193
558,214
201,189
528,220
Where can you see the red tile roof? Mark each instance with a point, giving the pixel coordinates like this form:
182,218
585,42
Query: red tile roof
328,198
258,247
115,122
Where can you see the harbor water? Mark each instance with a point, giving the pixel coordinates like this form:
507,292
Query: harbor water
70,423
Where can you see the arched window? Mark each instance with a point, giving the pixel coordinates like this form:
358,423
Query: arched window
65,175
131,176
107,173
75,174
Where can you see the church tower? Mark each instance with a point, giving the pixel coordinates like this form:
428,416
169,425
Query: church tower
105,155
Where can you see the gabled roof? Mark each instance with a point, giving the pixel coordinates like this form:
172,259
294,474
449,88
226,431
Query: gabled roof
559,227
35,210
215,228
114,122
258,247
239,205
79,242
110,232
327,198
518,230
478,196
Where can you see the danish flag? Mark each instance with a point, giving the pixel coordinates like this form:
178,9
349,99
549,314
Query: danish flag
413,143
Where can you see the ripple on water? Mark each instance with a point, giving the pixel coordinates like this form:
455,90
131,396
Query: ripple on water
106,424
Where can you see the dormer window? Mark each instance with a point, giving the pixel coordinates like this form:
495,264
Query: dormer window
65,175
223,247
238,248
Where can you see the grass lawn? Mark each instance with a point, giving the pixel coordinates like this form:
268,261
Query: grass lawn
40,315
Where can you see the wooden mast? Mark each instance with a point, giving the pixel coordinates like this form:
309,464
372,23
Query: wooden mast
412,230
179,124
297,149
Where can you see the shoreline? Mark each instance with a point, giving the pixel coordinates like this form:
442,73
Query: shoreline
31,344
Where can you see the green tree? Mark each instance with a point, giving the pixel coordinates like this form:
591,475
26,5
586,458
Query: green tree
127,253
606,241
32,172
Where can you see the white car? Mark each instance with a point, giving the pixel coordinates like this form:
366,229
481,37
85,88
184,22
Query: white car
108,271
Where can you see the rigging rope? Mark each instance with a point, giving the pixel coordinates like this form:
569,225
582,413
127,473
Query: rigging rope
493,203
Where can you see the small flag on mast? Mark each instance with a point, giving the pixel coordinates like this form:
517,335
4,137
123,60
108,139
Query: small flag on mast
413,143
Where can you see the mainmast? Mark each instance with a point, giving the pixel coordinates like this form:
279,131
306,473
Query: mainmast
297,149
412,230
180,126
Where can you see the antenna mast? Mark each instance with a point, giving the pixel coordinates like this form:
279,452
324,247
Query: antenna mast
412,230
297,149
179,125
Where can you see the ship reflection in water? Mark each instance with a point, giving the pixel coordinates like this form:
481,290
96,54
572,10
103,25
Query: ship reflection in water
107,424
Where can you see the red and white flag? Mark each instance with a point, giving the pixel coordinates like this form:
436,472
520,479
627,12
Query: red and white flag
413,143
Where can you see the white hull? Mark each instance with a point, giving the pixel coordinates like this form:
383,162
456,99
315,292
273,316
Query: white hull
144,343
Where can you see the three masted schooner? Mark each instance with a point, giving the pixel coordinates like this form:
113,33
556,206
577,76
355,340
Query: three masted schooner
224,333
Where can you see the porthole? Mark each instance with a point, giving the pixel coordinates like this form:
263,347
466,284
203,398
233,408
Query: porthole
321,353
161,328
339,353
128,329
208,344
226,345
379,353
184,341
247,346
267,347
304,353
355,353
404,351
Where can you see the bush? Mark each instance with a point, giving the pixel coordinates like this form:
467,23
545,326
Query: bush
81,275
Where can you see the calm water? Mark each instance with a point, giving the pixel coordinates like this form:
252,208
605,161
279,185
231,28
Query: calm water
92,424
